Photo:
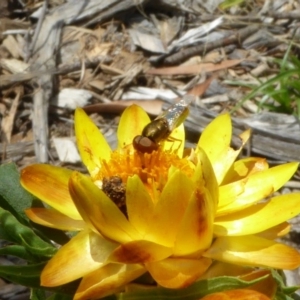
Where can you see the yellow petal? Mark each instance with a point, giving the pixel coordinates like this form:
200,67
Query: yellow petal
170,209
259,217
215,141
54,219
217,134
244,168
276,231
109,279
177,272
254,251
50,184
272,179
91,143
196,229
204,176
229,193
132,123
140,252
83,254
140,206
175,142
100,212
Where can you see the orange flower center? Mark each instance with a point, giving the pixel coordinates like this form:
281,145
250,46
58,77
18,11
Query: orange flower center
152,168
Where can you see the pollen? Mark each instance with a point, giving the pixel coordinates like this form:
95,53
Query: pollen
152,168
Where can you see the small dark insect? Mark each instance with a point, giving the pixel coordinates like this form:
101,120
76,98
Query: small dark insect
160,129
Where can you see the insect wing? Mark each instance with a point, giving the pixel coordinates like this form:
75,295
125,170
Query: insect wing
177,113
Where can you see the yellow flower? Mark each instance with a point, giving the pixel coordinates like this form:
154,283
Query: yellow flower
168,213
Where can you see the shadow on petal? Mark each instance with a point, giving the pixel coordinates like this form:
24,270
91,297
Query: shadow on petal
50,184
83,254
91,144
99,211
178,272
132,123
107,280
140,252
53,219
252,250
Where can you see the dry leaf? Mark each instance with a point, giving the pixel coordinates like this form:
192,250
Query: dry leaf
195,69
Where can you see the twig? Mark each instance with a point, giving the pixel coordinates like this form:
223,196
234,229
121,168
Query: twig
38,29
8,80
199,49
290,15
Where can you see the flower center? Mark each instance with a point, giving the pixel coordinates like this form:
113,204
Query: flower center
115,189
152,168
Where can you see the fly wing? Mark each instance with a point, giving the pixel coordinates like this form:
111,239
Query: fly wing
177,113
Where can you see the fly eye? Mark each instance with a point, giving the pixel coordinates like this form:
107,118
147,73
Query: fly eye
144,144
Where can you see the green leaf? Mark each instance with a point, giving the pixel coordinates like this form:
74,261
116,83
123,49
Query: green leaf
57,296
262,87
56,235
229,3
13,197
193,292
41,294
282,296
296,297
282,288
20,234
38,294
295,60
28,275
18,251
